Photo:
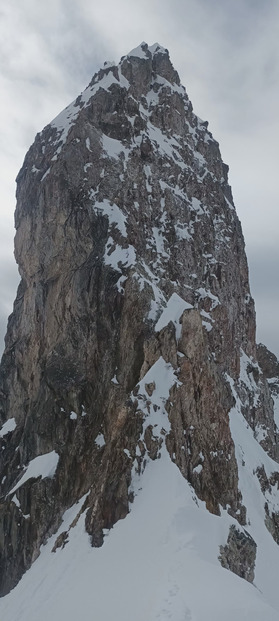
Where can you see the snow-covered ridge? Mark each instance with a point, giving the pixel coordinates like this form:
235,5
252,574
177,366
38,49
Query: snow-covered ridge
144,50
66,119
108,76
175,542
63,122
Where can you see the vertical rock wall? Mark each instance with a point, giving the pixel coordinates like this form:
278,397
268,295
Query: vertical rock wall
132,268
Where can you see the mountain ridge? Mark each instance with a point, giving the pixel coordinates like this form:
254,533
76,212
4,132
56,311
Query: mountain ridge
134,328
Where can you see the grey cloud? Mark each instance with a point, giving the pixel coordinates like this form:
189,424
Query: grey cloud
264,267
9,279
267,319
227,57
264,283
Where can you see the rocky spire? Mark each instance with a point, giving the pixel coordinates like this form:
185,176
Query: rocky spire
133,328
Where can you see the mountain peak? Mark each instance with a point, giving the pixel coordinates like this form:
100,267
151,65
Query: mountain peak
139,79
157,62
145,51
130,375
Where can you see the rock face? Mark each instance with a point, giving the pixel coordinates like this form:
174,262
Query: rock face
239,554
133,324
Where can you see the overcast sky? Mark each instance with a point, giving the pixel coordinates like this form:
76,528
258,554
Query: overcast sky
227,55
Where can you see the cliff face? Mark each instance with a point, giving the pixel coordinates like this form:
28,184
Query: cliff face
133,326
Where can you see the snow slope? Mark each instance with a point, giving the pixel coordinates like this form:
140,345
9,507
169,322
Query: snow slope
161,562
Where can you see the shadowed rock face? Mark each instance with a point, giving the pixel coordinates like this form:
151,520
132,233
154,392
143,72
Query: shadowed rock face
239,554
131,256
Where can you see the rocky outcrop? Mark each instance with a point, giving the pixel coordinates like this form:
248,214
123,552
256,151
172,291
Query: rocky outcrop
133,324
270,487
268,362
239,554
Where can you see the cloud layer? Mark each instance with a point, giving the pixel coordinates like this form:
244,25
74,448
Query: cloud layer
227,57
